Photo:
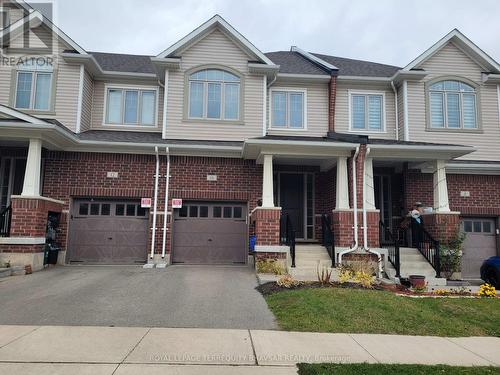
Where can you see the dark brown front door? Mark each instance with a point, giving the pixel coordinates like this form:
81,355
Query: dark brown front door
292,200
108,232
479,244
210,233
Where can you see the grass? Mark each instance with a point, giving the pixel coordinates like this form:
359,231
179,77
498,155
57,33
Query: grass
372,311
377,369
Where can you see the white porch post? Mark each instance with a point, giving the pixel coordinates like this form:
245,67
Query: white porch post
31,186
342,190
441,203
267,182
370,189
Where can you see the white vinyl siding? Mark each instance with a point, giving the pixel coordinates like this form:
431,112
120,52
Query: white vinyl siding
367,112
288,109
131,107
452,105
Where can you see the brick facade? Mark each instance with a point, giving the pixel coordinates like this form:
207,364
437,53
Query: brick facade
267,226
332,98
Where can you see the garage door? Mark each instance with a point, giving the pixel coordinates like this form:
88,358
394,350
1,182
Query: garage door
479,245
210,233
108,232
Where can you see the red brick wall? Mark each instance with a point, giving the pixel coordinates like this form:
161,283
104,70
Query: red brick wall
359,176
332,97
484,194
443,227
4,248
419,187
29,216
343,223
267,226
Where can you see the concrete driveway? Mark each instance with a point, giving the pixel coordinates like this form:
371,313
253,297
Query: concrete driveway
178,296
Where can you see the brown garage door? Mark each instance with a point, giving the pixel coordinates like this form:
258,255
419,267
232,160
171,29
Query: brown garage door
210,233
108,232
479,245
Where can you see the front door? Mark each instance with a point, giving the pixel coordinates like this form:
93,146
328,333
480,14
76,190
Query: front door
292,200
383,201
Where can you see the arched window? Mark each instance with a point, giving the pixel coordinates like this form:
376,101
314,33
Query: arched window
452,105
214,94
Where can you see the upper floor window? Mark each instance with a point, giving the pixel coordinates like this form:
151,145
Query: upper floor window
34,86
452,105
288,109
214,94
4,17
130,106
367,112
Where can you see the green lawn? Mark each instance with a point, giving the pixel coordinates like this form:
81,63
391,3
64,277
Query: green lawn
373,311
377,369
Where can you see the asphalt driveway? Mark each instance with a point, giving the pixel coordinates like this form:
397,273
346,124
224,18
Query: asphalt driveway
178,296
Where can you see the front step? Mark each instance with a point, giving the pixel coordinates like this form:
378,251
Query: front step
307,258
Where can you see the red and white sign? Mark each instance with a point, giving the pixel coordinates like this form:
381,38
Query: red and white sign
176,203
145,202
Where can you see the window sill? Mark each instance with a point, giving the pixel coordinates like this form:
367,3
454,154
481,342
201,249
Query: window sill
447,130
287,129
212,121
128,127
360,131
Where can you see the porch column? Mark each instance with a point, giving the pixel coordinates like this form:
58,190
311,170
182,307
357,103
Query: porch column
441,203
342,190
31,186
267,183
370,189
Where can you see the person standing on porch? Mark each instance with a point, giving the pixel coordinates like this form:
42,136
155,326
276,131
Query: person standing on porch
417,223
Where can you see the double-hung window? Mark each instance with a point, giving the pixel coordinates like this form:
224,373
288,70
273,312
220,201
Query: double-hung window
214,94
452,105
367,112
130,106
288,109
34,86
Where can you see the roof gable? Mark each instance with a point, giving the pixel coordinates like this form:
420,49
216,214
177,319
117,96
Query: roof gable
216,22
464,44
11,113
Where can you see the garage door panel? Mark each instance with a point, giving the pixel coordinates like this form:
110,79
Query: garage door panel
106,235
219,236
479,244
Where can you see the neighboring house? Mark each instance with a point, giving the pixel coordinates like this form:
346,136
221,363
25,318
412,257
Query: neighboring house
86,136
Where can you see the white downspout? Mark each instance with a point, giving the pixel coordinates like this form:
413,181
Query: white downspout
406,128
167,180
355,208
365,220
397,109
155,204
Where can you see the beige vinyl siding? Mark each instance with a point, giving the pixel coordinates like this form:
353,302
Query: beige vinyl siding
98,105
215,48
401,114
451,61
15,14
342,108
88,91
317,109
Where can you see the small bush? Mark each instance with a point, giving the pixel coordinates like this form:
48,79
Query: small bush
345,274
487,290
270,266
420,289
365,279
287,281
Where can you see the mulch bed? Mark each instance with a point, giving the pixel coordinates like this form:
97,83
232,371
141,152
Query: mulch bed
271,287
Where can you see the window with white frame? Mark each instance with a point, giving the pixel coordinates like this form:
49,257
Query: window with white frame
452,105
4,17
130,106
34,86
288,109
367,112
214,94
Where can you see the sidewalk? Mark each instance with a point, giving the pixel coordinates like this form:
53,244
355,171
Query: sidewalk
121,351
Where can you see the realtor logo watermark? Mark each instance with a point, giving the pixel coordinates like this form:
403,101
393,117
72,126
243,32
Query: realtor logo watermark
25,42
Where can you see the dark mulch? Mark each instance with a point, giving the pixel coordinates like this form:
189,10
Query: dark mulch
271,287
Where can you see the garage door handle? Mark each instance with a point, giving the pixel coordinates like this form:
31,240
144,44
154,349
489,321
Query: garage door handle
110,238
209,240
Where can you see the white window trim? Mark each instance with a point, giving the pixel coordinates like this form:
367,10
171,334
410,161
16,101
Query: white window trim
304,111
34,74
108,87
383,130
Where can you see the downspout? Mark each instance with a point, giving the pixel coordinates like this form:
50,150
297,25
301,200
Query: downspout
365,220
406,128
355,208
167,180
155,204
397,109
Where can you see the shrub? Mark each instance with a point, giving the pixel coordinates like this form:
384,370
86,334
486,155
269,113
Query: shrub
324,274
345,274
420,289
487,290
270,266
451,254
287,281
365,279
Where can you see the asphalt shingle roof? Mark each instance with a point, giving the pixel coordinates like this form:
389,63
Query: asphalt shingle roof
351,67
295,63
116,62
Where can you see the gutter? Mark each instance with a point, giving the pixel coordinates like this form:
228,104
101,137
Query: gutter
406,129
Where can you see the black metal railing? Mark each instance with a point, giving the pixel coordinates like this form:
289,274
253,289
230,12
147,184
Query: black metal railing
428,247
287,235
5,218
392,241
328,238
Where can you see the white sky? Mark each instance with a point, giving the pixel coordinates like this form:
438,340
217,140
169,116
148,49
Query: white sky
386,31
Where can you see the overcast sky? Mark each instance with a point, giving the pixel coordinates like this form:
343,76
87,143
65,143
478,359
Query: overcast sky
386,31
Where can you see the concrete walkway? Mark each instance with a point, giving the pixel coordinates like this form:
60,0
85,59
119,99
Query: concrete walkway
113,350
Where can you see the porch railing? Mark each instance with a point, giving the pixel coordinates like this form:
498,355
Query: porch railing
392,242
5,218
328,237
287,235
429,248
